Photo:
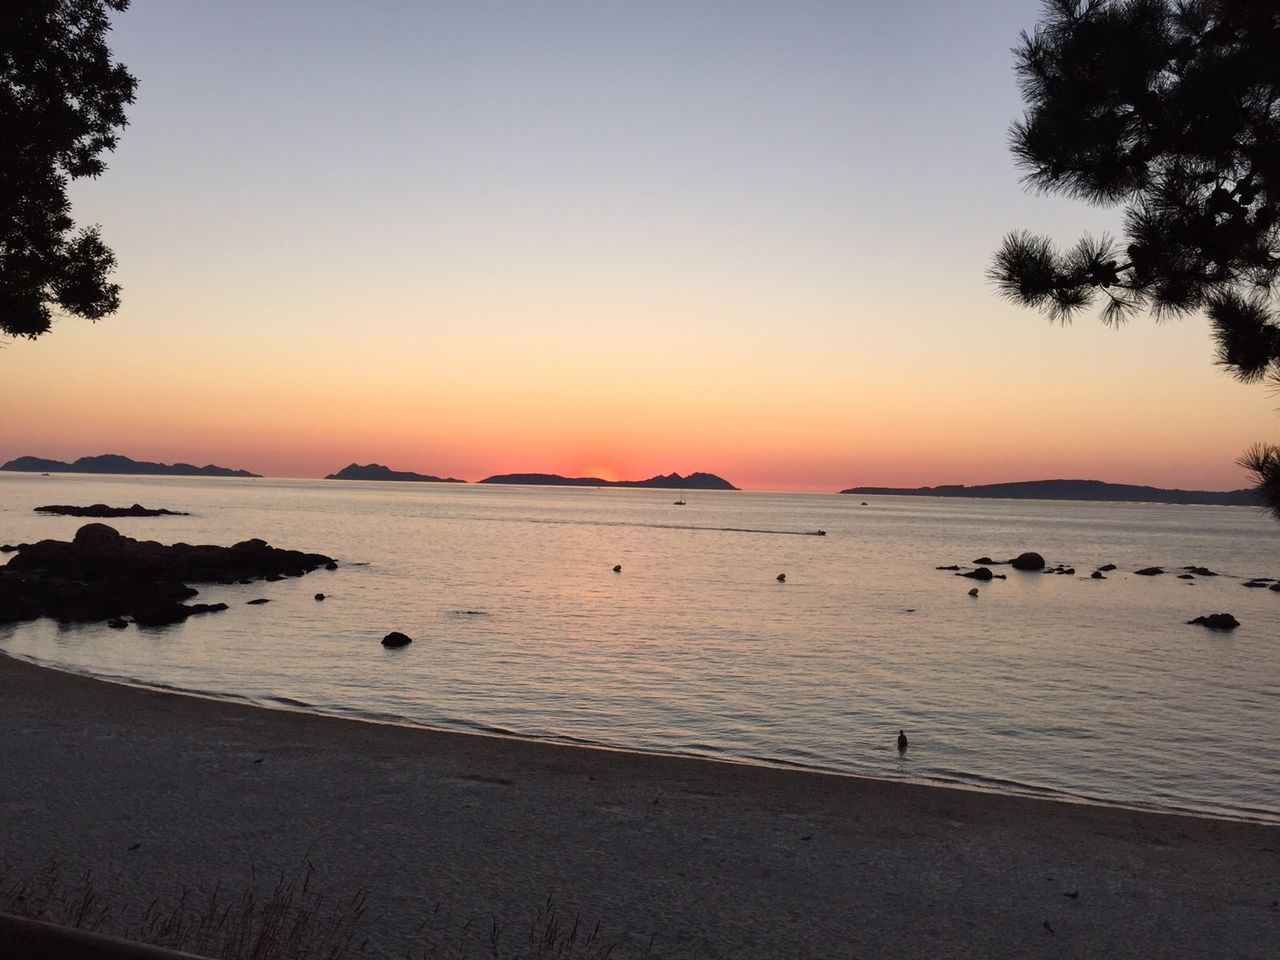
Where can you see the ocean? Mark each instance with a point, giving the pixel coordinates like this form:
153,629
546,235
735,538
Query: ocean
1056,686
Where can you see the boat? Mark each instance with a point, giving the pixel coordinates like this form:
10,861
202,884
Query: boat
680,502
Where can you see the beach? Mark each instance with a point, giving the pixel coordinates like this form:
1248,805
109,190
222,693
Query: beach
155,792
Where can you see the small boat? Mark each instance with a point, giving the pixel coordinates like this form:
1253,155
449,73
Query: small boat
821,533
680,502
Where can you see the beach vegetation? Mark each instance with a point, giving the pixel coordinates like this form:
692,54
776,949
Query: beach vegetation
1170,110
62,105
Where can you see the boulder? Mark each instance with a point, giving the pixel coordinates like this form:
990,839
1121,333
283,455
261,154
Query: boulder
254,603
1107,567
1027,561
1149,572
1275,587
1200,571
319,596
982,573
1097,575
1186,576
1257,583
97,536
396,639
951,567
1217,621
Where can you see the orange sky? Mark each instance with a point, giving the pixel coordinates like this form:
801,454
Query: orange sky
583,243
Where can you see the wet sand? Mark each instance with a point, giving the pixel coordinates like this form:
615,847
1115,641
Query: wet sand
697,858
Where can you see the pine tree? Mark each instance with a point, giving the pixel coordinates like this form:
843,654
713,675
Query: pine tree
1171,110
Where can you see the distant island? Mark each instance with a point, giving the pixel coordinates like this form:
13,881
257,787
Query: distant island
672,481
376,471
1071,490
114,463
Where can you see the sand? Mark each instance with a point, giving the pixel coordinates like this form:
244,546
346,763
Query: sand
690,857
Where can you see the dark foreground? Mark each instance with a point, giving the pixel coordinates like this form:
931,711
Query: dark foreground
155,793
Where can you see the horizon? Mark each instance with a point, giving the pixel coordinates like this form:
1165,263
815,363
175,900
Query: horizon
598,239
608,479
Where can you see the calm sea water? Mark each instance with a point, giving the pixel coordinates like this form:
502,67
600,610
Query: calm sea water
1047,685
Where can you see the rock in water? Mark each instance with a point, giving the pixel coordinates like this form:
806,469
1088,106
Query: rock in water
982,573
1217,621
1027,561
396,639
1149,572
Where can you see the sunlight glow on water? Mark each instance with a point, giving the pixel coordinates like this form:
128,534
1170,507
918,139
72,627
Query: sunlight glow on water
1050,685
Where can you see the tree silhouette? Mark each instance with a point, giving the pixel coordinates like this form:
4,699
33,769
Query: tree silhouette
62,101
1170,108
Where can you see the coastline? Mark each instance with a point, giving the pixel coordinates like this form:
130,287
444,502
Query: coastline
706,858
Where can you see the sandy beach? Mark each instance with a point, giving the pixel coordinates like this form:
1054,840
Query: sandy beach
154,792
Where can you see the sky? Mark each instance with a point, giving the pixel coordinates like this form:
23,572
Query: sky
612,239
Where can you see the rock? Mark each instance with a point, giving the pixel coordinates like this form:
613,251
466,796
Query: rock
96,536
984,561
254,603
1200,571
1107,567
331,565
617,568
781,578
951,567
274,577
1257,583
8,548
101,575
396,639
1275,587
117,624
1217,621
1097,575
982,573
1027,561
319,596
102,510
1149,572
973,591
1186,576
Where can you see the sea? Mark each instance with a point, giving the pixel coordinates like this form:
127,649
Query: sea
1048,685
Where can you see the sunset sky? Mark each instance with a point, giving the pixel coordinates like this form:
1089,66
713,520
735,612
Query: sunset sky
613,238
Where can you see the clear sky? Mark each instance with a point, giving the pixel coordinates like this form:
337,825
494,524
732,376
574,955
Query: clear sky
617,238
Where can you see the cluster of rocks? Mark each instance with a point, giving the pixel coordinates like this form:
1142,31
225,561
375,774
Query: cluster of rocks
102,510
1034,562
103,576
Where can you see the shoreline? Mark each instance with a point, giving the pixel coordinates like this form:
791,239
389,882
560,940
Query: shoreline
283,705
155,792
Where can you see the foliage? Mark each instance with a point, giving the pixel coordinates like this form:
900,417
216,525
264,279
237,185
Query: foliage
62,101
1170,108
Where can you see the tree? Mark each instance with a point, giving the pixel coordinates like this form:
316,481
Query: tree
62,101
1171,109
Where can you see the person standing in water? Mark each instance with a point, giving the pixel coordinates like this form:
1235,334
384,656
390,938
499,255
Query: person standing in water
902,742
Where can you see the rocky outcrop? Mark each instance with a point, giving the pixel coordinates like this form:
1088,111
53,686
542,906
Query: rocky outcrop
103,511
115,463
1217,621
101,575
396,639
1149,572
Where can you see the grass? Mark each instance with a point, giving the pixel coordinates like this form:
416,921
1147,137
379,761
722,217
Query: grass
287,919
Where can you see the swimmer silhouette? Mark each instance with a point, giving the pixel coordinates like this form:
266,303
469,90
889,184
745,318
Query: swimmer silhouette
902,742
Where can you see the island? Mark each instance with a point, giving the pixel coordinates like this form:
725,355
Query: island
376,471
1071,490
114,463
672,481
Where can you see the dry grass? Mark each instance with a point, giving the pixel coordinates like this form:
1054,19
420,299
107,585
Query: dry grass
287,919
